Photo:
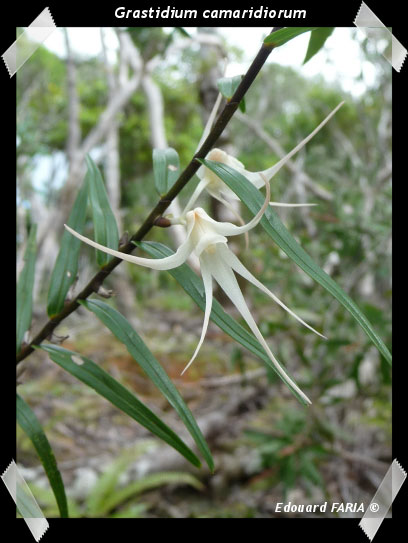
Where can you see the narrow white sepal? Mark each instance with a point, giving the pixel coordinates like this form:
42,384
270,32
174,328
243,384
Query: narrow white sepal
233,261
281,204
207,280
194,197
225,277
167,263
273,170
210,122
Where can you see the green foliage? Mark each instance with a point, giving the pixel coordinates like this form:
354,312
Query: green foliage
25,288
105,227
122,329
290,451
147,483
151,41
105,487
228,86
166,167
195,288
92,375
252,198
282,36
66,265
92,92
46,501
346,160
109,497
41,125
317,40
32,427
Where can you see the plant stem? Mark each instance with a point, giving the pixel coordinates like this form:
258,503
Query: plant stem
222,121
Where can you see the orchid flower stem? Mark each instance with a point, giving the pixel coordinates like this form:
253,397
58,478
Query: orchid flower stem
93,285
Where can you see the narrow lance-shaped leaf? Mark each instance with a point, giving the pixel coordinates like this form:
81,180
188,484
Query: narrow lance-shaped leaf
166,168
317,40
105,227
284,35
32,427
66,265
194,287
228,85
25,288
95,377
125,333
271,223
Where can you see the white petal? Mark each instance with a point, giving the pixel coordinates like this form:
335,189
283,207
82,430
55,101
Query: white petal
270,172
167,263
207,279
281,204
225,277
229,229
210,121
233,261
194,197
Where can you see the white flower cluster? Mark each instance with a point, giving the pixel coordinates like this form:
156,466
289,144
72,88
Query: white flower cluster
207,239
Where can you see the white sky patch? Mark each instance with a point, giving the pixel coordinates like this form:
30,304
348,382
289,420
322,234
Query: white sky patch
85,42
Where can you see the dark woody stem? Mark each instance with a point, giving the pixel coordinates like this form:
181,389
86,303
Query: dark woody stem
155,217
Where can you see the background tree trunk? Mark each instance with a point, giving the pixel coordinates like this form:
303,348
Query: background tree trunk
159,141
122,286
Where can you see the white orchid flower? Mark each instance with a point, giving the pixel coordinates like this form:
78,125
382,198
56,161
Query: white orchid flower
210,182
207,238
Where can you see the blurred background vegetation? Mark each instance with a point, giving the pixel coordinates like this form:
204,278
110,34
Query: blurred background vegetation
267,447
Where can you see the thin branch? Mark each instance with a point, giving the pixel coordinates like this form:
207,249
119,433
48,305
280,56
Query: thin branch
222,121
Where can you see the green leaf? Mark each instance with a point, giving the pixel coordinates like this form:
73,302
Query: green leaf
46,500
31,426
125,333
135,510
271,223
66,265
26,506
166,167
227,87
108,481
95,377
317,40
310,471
105,227
194,287
147,483
284,35
25,288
